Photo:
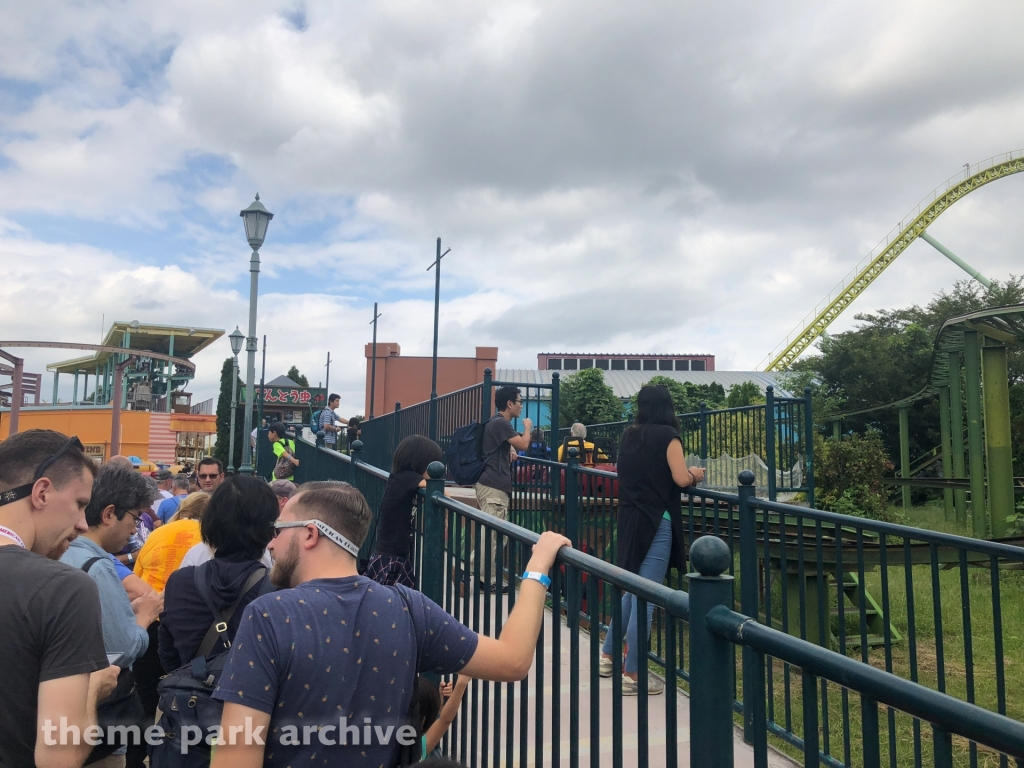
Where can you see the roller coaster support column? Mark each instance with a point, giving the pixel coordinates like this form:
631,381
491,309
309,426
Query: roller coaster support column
16,396
946,445
972,370
956,433
955,259
997,435
905,458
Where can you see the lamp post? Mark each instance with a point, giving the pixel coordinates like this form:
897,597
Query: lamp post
373,363
437,304
256,218
236,338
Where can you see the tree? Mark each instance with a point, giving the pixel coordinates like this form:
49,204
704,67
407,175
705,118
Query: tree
848,474
584,397
686,396
298,378
220,450
746,393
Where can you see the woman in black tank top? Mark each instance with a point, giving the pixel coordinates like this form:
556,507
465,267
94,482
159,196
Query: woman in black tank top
651,469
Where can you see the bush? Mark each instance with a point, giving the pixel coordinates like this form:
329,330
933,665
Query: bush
584,397
848,475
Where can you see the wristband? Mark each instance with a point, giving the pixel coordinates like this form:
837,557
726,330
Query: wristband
544,580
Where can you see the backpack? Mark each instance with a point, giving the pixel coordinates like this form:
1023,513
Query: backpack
186,695
464,456
314,421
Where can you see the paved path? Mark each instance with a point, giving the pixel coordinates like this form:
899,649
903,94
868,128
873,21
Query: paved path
655,726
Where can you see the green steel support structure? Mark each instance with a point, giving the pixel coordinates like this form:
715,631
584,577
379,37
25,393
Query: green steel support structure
997,435
946,446
972,368
905,457
956,433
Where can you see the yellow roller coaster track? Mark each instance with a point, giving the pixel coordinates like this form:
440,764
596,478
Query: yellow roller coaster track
885,253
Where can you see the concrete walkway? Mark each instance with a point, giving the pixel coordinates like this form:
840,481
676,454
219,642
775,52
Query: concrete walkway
655,725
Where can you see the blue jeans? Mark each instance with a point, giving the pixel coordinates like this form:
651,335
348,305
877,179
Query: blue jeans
654,567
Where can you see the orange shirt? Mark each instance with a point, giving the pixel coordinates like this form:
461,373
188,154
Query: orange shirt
164,550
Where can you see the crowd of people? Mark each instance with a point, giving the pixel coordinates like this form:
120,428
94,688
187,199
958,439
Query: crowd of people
135,599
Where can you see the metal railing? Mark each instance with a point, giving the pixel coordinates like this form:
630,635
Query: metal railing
775,440
847,655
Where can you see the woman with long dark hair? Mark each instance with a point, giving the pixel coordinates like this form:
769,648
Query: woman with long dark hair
391,562
651,468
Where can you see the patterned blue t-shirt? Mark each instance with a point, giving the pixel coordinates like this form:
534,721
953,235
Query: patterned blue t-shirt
327,655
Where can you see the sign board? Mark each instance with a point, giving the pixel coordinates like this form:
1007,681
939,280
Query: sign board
95,451
300,396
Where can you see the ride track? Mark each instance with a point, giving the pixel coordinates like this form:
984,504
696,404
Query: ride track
886,252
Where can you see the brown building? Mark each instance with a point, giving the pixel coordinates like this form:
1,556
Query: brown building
406,380
576,361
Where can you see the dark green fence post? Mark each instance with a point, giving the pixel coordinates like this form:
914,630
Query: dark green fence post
486,397
572,498
703,432
809,446
711,680
555,423
432,578
316,474
753,670
769,438
395,436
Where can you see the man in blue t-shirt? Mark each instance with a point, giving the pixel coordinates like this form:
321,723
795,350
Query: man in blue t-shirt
314,664
179,490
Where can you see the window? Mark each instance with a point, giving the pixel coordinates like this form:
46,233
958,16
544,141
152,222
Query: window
632,365
664,365
618,365
569,363
650,365
586,362
697,365
682,365
554,363
602,364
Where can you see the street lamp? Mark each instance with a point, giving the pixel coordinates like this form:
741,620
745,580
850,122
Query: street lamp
236,338
436,266
256,218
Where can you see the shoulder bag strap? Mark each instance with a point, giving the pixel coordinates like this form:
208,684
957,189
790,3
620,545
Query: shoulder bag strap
90,563
219,629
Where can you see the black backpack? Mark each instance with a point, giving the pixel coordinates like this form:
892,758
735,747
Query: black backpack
465,458
186,695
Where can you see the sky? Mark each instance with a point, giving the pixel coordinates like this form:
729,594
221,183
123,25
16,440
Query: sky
610,177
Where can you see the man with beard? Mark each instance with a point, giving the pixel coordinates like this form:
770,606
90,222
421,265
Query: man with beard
312,663
53,663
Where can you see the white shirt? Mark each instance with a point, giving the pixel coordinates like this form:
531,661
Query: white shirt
201,552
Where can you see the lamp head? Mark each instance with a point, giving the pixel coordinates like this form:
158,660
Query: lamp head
256,218
236,338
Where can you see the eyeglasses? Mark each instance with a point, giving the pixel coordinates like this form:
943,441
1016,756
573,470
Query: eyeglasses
138,518
324,528
22,491
209,477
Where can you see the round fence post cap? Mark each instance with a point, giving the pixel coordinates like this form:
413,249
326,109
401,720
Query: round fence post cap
747,477
710,556
436,470
357,445
488,372
574,452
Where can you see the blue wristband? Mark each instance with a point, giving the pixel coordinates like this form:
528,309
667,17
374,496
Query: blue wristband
544,580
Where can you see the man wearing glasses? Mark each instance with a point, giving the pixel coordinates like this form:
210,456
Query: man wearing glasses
210,474
52,662
500,443
333,650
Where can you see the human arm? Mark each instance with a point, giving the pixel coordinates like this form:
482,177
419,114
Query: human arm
135,587
681,474
444,720
509,657
73,700
147,608
522,442
242,753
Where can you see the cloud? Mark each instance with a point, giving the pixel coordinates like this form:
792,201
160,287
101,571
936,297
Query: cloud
651,178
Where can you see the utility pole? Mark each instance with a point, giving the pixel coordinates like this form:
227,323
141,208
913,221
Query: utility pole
327,385
437,304
373,363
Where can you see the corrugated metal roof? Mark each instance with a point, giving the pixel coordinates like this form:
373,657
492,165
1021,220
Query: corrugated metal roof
625,384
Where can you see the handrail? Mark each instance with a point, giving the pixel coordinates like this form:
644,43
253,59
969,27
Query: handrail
976,723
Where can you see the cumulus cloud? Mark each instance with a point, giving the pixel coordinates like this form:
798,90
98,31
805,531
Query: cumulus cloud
650,178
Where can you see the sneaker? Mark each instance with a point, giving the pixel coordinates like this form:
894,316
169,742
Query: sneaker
630,687
604,668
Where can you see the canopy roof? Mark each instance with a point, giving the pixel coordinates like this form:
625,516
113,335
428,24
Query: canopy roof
143,337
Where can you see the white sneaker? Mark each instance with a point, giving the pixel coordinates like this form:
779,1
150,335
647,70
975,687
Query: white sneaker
604,668
630,687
